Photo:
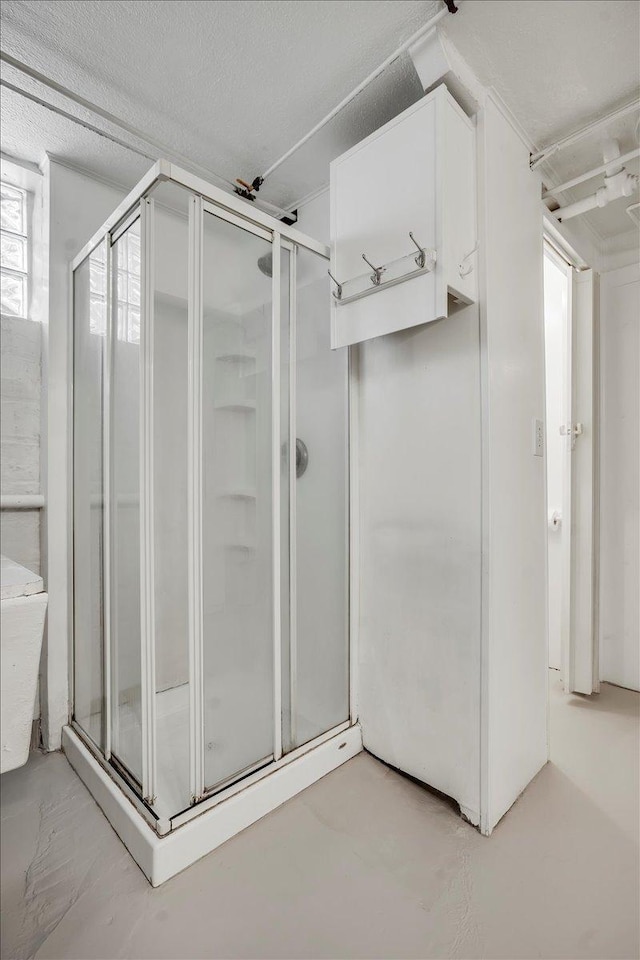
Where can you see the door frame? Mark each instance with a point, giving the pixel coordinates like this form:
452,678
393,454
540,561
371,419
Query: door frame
577,266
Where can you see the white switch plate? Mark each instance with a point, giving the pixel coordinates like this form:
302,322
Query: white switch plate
538,438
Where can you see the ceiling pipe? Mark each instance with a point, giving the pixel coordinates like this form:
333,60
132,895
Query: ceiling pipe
588,130
554,191
617,183
611,157
448,7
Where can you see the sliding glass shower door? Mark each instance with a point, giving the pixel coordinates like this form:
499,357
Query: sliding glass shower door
237,510
126,668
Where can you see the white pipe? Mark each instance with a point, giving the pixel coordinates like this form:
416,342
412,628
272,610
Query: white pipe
553,191
611,156
361,86
22,501
621,184
575,209
546,152
162,151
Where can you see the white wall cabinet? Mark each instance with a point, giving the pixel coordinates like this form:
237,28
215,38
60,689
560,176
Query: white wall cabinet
414,175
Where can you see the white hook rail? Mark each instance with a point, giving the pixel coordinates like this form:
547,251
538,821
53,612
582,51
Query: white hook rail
387,275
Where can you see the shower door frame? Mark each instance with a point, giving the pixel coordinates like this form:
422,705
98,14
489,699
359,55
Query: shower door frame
228,207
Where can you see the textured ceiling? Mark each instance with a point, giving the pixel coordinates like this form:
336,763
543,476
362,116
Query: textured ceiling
559,64
234,84
231,84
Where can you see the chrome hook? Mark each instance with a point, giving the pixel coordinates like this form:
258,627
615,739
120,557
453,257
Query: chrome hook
377,271
421,259
338,291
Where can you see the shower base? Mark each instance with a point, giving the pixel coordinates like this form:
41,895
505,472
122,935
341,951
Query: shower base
175,844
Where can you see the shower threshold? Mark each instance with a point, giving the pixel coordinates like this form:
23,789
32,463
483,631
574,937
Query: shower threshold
163,848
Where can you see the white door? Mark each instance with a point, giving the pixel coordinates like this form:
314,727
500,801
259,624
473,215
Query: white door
579,651
557,305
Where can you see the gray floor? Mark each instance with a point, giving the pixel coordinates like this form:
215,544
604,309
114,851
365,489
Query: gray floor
364,863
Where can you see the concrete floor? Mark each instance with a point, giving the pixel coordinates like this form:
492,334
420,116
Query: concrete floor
364,863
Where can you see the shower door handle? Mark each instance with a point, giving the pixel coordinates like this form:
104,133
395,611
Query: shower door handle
302,457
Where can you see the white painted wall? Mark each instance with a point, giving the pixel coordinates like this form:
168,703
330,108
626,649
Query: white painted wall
74,207
314,215
420,549
514,681
619,625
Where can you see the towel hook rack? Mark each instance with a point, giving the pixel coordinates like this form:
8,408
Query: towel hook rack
421,259
338,291
388,274
377,271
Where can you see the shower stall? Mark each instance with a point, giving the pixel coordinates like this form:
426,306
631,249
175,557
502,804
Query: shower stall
211,669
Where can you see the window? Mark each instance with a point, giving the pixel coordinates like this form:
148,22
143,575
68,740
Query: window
14,251
98,291
128,284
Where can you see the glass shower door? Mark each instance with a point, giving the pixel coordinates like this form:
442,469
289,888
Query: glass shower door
126,666
319,643
90,329
237,509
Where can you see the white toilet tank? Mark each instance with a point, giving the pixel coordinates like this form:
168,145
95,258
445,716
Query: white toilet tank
22,612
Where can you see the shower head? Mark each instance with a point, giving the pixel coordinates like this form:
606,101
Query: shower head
265,264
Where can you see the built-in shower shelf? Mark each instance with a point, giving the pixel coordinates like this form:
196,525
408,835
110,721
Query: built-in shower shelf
237,406
237,542
247,494
240,547
236,358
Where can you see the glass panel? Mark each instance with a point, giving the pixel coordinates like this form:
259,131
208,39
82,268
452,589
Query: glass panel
12,209
320,682
285,558
13,299
125,505
237,508
170,365
13,252
128,285
88,506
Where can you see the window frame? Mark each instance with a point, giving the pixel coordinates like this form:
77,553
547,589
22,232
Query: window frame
26,236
